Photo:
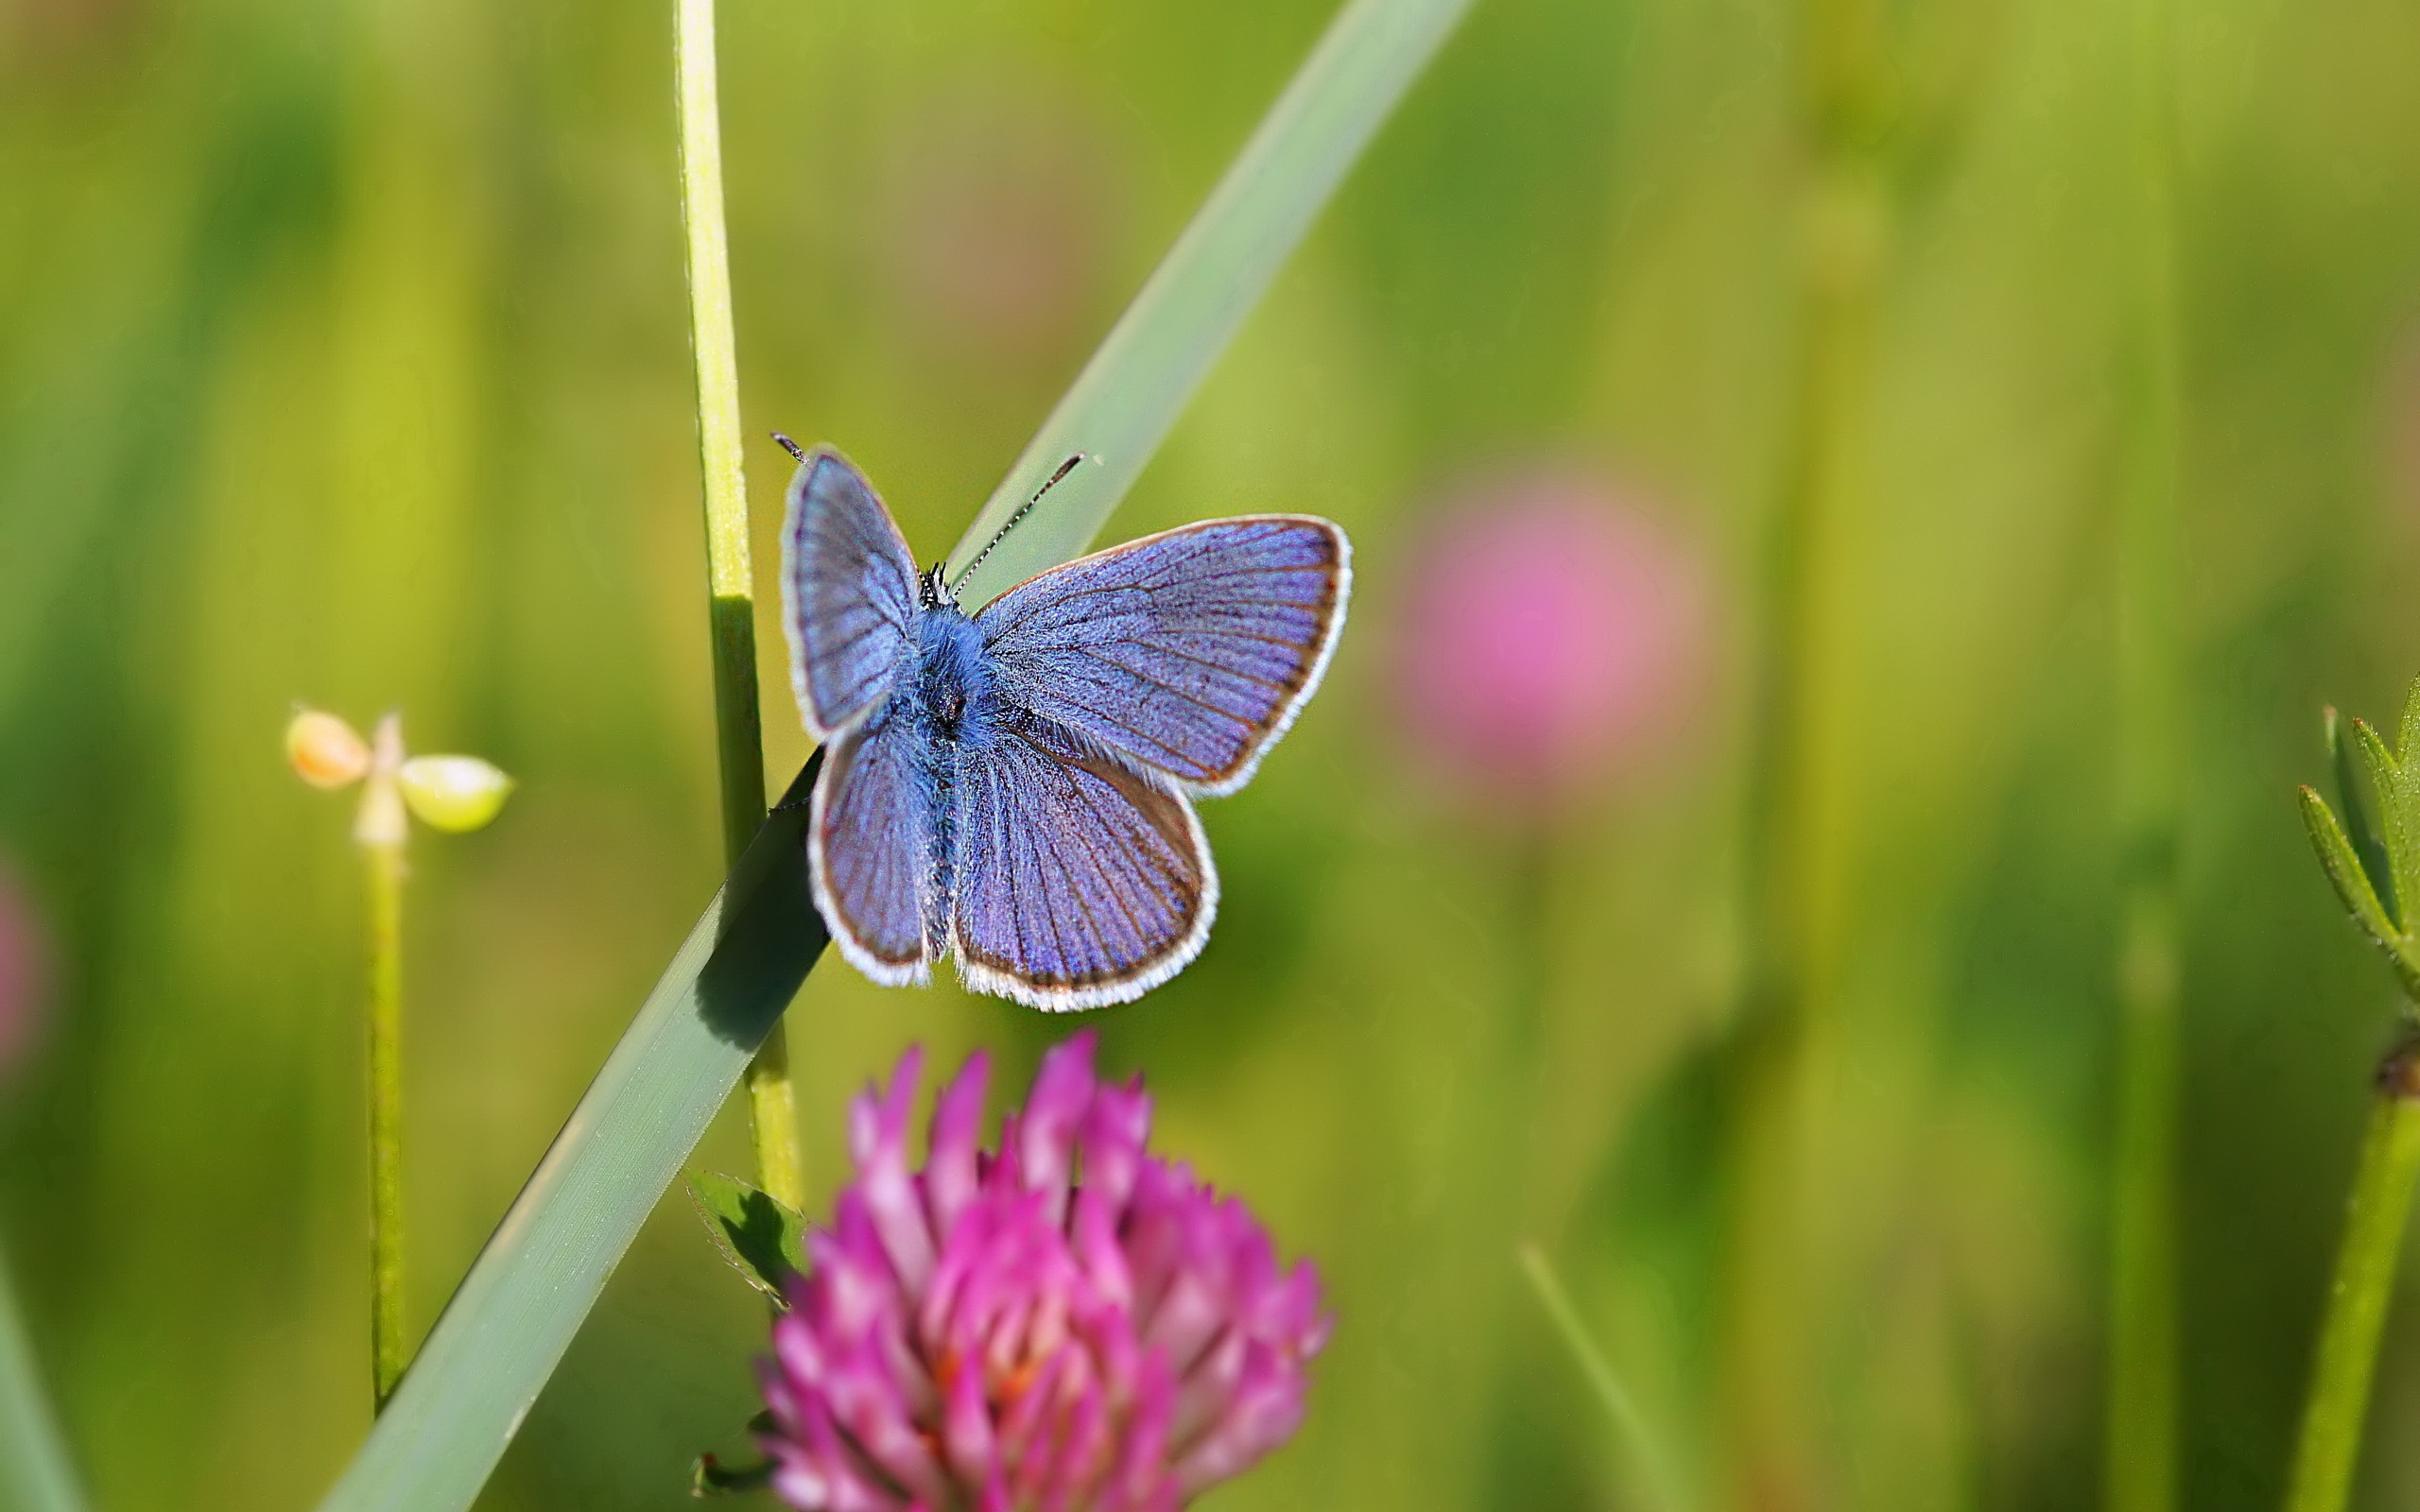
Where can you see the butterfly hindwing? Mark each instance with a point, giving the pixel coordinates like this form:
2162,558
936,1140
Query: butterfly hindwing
870,848
1190,652
1078,880
847,592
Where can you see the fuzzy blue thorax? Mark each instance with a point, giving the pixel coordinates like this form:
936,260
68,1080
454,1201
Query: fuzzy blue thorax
948,693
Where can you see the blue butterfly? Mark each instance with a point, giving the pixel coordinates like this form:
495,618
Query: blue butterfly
1011,788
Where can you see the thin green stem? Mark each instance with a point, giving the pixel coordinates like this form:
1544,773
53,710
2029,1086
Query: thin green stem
773,1118
384,874
380,830
739,745
1629,1424
2139,1448
1794,781
35,1473
2140,1445
2337,1406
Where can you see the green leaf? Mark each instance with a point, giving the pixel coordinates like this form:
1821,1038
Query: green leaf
764,1238
2400,819
708,1476
2407,738
526,1295
2352,884
2385,778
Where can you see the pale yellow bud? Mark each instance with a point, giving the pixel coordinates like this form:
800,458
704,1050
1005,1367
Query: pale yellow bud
325,751
453,793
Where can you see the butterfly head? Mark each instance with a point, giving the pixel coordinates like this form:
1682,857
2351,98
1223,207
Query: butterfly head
933,587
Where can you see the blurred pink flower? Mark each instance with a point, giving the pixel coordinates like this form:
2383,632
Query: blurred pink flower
1067,1323
1552,632
24,973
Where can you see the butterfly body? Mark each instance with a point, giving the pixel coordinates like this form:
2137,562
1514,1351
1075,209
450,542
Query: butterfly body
944,708
1011,787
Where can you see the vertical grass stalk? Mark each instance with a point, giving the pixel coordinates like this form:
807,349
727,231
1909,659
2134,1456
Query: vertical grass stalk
1791,865
35,1473
739,746
381,829
2139,1445
2376,1218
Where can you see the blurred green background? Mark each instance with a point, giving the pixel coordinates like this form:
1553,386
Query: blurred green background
344,358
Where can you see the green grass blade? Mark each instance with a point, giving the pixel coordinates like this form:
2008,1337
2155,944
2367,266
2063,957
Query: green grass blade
1128,396
1630,1425
34,1474
527,1294
505,1330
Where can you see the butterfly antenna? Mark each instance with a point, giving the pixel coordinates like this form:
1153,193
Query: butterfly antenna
1026,508
792,447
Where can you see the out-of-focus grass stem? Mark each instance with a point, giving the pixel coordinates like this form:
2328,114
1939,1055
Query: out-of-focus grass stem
381,829
739,746
1630,1425
35,1473
2139,1445
1791,872
2380,1211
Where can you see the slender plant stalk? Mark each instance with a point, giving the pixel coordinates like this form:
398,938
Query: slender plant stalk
381,829
2375,1220
1629,1424
1791,865
35,1473
739,745
2140,1445
516,1311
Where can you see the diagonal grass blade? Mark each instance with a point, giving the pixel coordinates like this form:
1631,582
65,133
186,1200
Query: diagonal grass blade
35,1475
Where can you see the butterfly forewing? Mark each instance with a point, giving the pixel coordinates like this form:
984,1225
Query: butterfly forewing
1079,881
847,592
871,848
1189,651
